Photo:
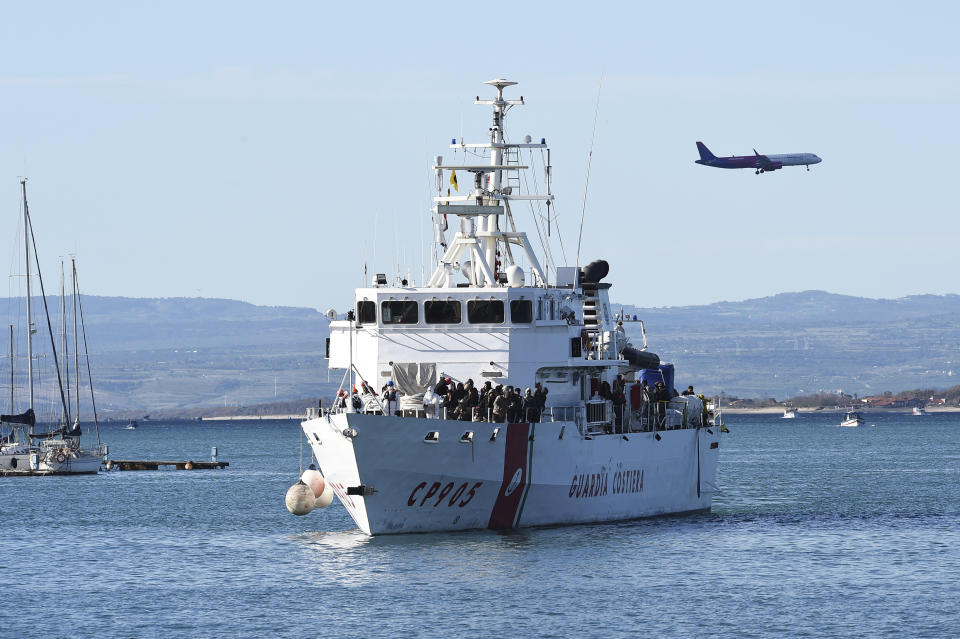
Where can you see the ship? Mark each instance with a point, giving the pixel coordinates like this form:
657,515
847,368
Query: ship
852,419
502,392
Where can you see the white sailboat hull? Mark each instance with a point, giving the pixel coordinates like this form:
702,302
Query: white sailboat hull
71,464
393,481
39,462
15,461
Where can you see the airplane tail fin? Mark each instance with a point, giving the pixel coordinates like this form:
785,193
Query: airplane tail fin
705,153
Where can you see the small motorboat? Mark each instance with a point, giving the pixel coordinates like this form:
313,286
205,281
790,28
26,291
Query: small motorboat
919,410
131,426
852,419
789,413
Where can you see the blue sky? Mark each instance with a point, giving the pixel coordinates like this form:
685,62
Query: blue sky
247,151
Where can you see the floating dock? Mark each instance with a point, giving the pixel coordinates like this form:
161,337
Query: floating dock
150,464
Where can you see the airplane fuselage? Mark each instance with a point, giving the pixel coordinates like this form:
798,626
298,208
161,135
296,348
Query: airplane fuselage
760,163
750,161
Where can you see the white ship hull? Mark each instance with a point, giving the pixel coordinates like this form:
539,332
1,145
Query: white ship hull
851,423
529,475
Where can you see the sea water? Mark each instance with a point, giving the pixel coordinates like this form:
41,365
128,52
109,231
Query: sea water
819,531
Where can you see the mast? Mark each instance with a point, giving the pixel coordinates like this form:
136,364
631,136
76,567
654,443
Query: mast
64,355
13,409
474,247
496,177
76,349
86,356
26,257
28,236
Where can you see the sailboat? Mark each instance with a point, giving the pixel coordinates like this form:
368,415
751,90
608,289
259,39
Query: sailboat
16,453
25,451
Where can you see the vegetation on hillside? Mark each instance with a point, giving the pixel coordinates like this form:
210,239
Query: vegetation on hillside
920,396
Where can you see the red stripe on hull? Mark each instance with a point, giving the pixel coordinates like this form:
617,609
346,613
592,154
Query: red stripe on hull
504,511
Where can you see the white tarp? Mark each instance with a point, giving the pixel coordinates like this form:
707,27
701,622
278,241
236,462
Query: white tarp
688,410
414,378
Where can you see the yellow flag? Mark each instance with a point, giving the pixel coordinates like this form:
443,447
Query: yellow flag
453,180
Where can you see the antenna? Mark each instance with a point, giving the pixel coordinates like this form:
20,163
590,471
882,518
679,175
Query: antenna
593,137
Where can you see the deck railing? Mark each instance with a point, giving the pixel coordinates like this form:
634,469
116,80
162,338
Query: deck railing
595,417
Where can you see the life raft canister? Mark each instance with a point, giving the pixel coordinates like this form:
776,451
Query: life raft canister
61,458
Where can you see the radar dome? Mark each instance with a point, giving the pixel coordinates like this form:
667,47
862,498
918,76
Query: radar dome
331,314
514,276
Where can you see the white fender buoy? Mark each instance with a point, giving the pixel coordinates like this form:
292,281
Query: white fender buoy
299,499
322,491
326,497
314,480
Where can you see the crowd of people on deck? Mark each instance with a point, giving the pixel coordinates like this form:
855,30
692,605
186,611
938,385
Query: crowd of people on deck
462,401
465,402
647,400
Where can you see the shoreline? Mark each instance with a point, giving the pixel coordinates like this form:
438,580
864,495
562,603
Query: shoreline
248,418
775,410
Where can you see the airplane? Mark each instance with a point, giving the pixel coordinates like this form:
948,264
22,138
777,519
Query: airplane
760,163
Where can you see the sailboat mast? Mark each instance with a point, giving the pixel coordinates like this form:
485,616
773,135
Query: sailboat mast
26,256
13,409
76,349
64,354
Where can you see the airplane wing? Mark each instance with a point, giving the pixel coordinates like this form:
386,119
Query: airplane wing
765,163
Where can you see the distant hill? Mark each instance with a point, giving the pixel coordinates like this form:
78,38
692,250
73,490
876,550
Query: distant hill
189,353
156,354
797,343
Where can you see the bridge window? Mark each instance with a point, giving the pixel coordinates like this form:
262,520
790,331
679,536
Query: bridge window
521,311
485,311
367,312
442,312
399,312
